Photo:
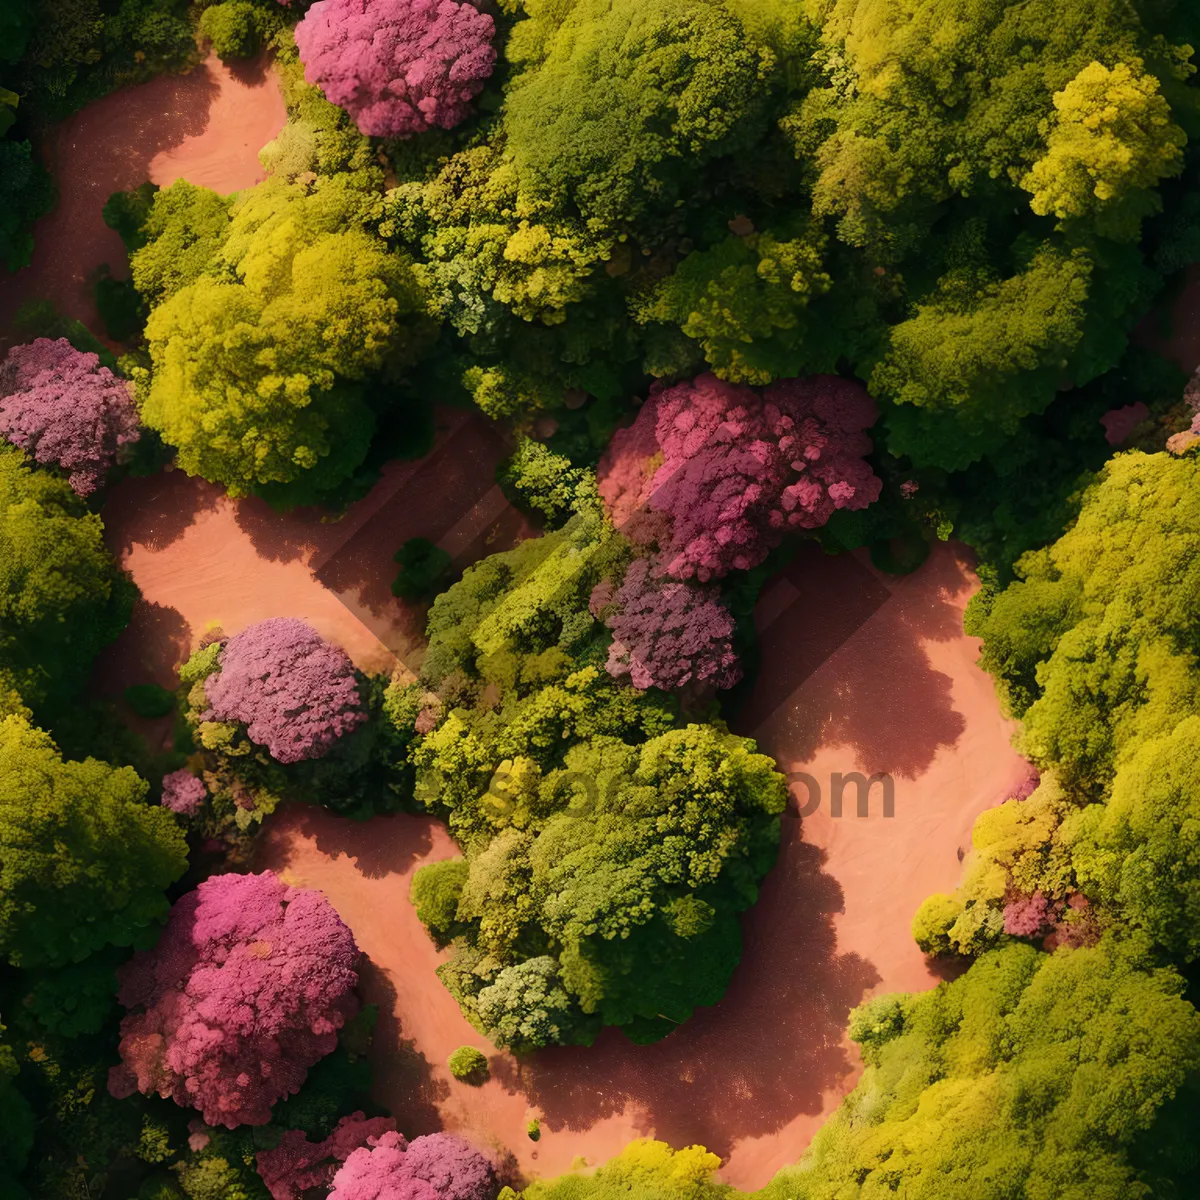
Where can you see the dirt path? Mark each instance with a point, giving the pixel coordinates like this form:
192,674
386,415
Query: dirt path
860,673
202,560
207,126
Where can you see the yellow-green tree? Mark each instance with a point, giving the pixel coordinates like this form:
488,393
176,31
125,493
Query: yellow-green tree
84,861
255,362
1110,141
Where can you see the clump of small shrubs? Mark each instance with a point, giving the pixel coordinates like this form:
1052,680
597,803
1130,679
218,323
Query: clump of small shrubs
468,1065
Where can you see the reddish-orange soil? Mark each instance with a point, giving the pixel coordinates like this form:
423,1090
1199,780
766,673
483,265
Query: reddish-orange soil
207,126
202,560
860,673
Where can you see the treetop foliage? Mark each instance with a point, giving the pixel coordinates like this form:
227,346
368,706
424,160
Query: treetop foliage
398,67
62,408
269,968
77,838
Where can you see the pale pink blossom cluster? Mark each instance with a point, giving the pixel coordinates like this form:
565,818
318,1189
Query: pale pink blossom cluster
297,1165
666,633
439,1166
183,793
245,991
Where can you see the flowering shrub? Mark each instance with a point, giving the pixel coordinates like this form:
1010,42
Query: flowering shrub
245,990
65,410
666,633
183,793
438,1166
294,691
712,473
296,1164
398,67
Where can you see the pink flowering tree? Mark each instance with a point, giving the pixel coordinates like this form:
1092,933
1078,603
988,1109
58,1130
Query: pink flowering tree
245,990
666,634
294,691
712,473
297,1165
64,409
183,793
398,67
1028,916
438,1166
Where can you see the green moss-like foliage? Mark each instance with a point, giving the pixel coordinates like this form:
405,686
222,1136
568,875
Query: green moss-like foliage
608,846
61,596
77,837
468,1064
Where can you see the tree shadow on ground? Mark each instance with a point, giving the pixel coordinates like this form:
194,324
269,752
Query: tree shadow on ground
104,148
408,1074
874,690
149,650
744,1067
384,845
250,72
284,536
155,510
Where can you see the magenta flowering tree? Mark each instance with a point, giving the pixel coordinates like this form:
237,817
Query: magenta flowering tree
438,1166
294,691
245,990
64,409
666,633
712,474
398,67
1028,916
183,793
297,1165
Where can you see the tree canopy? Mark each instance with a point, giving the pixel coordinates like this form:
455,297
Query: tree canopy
77,838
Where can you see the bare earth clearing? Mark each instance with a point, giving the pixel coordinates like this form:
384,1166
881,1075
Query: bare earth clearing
860,672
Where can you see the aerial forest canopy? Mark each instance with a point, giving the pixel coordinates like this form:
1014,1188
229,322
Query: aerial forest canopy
726,275
967,207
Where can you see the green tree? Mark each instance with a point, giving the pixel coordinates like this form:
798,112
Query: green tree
257,370
621,101
647,1169
1110,141
83,860
1093,644
744,301
175,235
602,841
1139,853
61,596
1031,1075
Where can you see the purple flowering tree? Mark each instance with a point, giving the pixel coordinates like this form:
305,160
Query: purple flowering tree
65,410
438,1166
297,1165
398,67
711,474
183,793
294,691
245,990
666,633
